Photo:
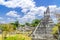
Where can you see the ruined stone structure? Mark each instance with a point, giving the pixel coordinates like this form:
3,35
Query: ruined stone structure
44,28
58,17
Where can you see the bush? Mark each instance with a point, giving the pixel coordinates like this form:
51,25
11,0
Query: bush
14,38
18,37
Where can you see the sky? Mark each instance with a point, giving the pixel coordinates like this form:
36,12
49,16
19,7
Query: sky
27,10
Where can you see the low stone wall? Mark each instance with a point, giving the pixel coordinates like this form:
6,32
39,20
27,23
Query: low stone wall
33,38
38,39
42,39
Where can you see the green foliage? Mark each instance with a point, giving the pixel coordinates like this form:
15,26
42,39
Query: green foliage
4,27
14,38
16,23
10,38
35,22
28,24
14,27
18,37
56,29
22,25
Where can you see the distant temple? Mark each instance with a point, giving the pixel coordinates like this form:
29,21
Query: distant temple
44,28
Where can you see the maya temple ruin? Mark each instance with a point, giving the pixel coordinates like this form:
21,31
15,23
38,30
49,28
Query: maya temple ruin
44,28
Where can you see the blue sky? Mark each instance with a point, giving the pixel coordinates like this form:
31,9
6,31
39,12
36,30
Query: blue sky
25,10
47,2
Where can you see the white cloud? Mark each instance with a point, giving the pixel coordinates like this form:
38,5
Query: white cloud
24,4
1,1
32,14
52,8
55,20
28,8
12,14
39,11
18,3
2,22
11,19
24,11
1,18
26,18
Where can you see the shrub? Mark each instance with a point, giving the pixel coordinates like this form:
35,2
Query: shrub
18,37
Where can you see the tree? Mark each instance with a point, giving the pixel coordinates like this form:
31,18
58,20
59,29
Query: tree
28,24
14,27
15,24
22,25
35,22
56,30
6,28
58,27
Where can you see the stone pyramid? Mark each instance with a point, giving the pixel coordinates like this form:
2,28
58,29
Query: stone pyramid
44,28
